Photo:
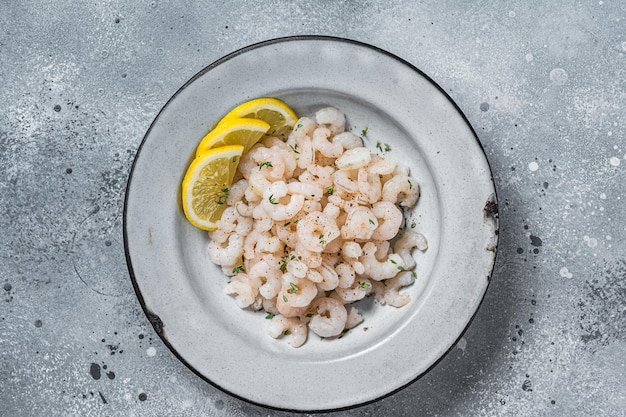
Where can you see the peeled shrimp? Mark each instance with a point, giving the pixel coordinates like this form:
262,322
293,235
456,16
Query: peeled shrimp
333,118
329,318
280,324
315,230
348,140
297,292
360,224
227,253
246,293
391,217
369,185
359,290
321,143
392,290
354,159
275,209
405,244
271,277
379,270
401,189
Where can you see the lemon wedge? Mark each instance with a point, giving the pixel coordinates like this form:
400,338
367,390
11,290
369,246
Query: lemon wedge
206,185
275,112
234,131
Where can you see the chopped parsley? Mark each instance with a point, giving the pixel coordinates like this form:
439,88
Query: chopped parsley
322,241
364,132
234,159
379,146
294,148
363,285
269,316
223,197
392,261
387,147
285,298
410,184
238,269
267,164
287,332
299,126
293,288
372,221
413,225
414,274
329,190
272,200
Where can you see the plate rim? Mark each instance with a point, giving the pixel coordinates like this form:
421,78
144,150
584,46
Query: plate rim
491,210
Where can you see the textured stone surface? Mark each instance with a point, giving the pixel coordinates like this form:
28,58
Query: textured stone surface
541,82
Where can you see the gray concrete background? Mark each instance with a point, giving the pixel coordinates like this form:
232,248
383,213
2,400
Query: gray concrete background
543,84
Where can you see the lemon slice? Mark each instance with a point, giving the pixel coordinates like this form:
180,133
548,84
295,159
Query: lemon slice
275,112
234,131
206,184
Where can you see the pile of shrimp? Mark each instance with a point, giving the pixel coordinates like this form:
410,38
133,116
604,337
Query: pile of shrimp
309,227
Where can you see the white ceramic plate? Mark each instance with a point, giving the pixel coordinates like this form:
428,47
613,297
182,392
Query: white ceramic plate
183,293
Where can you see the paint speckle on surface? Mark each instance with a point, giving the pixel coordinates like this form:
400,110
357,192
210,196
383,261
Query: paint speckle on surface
565,273
533,166
462,344
94,371
143,396
615,161
558,76
591,242
38,323
529,57
151,351
484,106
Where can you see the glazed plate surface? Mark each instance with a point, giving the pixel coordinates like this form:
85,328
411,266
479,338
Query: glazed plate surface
182,292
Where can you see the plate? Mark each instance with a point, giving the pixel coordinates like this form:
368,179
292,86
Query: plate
182,293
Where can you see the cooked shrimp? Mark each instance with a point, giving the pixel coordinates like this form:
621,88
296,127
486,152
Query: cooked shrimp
227,253
297,268
346,275
382,166
246,293
329,318
319,175
330,279
333,118
270,162
354,159
348,140
316,230
369,185
289,311
280,325
393,286
309,191
271,276
360,224
391,217
350,252
260,242
303,127
401,189
379,270
357,291
247,164
297,292
346,180
231,222
236,193
323,146
354,318
274,208
405,244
